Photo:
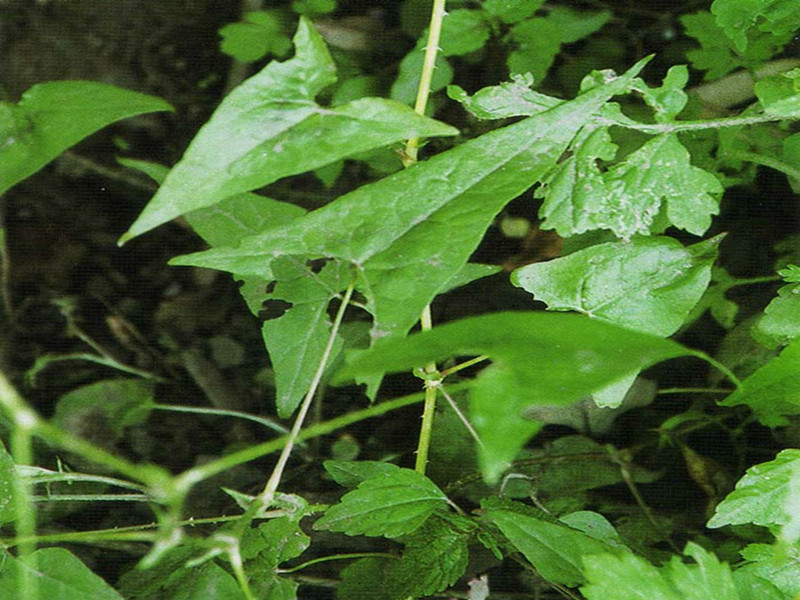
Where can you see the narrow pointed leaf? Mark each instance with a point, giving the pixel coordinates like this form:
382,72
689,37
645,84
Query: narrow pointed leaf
410,233
387,504
647,284
54,116
270,127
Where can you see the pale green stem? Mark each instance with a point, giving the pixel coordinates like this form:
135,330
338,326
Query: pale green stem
266,497
428,66
464,365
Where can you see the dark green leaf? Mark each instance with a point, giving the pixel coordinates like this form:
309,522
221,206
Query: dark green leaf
393,230
51,117
366,579
387,504
463,31
767,495
59,575
270,127
537,44
647,284
773,391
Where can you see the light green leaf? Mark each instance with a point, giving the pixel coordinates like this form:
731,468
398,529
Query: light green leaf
394,230
270,127
628,197
510,99
404,89
260,33
773,391
53,116
463,31
668,100
387,504
470,272
511,11
349,473
709,578
594,525
574,25
740,19
59,575
780,94
555,550
768,495
780,323
647,284
527,371
776,563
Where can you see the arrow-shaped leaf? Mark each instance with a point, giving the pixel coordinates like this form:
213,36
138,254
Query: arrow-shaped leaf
270,127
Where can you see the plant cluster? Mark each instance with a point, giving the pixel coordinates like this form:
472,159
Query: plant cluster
628,173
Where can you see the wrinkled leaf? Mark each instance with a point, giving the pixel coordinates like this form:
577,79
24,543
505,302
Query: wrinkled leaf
270,127
741,18
647,284
53,116
387,504
511,99
768,495
410,233
773,391
628,197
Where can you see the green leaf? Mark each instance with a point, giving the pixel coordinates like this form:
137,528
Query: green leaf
527,371
780,94
260,33
392,230
773,391
270,127
404,89
265,548
780,323
668,100
628,197
313,7
575,25
7,509
776,563
511,99
647,284
629,577
349,473
108,406
365,579
555,550
387,504
463,31
741,18
51,117
537,43
59,575
767,495
512,11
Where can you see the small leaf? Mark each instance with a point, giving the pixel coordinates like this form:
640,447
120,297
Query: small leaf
647,284
741,18
511,11
53,116
511,99
780,323
537,42
270,127
59,575
767,495
261,33
669,99
773,391
387,504
463,31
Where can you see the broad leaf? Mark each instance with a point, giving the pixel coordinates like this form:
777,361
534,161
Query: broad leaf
511,99
270,127
349,473
773,391
768,495
59,575
264,549
555,550
647,284
780,323
780,94
387,504
410,233
511,11
540,358
51,117
776,563
657,182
